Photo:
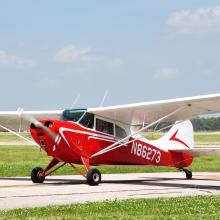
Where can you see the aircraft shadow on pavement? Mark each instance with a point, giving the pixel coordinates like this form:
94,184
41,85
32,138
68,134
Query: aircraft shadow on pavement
143,182
162,184
57,181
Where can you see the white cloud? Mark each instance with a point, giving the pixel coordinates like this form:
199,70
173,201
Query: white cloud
166,73
12,61
201,20
71,53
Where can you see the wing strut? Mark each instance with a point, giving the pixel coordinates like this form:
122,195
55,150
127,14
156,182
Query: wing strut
120,142
20,136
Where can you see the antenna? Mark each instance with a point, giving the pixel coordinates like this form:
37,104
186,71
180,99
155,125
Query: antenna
104,97
75,100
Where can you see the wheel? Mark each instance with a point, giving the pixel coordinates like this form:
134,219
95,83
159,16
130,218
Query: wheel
188,175
35,175
93,177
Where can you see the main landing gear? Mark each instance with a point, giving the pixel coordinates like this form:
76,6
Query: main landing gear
36,176
92,176
187,172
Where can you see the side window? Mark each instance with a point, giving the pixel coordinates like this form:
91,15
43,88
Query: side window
120,132
104,126
87,120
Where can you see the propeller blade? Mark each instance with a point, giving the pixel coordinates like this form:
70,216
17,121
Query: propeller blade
37,124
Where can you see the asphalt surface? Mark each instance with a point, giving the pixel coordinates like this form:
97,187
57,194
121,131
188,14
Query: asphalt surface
20,192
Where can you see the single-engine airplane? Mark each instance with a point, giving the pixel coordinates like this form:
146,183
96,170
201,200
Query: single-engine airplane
103,135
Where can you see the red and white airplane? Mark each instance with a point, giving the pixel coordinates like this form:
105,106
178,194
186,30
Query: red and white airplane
96,136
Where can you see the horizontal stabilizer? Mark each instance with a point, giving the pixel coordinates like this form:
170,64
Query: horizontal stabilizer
199,152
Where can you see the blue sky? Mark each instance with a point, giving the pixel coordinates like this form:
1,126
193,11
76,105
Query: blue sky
51,51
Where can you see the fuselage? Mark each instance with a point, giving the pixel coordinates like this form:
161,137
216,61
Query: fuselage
75,140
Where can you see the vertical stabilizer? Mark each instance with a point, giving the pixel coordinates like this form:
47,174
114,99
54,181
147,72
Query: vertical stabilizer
179,137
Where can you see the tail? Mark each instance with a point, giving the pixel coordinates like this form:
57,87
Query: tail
179,137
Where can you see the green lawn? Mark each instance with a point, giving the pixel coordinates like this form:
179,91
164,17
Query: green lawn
207,137
11,137
200,207
199,137
20,160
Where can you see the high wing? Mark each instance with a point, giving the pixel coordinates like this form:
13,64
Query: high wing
148,112
13,120
132,114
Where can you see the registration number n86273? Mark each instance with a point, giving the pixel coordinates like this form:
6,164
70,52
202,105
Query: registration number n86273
145,152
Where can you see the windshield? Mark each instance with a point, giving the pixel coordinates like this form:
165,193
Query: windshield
72,114
87,120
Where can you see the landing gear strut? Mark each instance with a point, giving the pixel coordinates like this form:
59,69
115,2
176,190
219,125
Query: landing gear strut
38,174
93,176
187,172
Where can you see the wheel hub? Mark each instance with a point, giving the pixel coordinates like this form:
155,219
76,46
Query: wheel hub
96,177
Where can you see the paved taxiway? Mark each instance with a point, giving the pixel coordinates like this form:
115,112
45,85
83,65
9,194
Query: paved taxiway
20,192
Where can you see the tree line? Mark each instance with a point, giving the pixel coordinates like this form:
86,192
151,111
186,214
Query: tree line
206,124
199,124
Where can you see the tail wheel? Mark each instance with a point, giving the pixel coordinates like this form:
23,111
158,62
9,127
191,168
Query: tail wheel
35,175
93,177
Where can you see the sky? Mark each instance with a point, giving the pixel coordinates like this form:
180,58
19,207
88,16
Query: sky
134,51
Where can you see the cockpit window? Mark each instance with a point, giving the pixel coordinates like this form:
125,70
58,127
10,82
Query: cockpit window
87,120
73,114
120,132
104,126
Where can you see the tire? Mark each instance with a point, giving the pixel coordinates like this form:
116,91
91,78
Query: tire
188,175
93,177
35,177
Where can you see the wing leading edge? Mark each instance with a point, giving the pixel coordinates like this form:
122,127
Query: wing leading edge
132,114
147,112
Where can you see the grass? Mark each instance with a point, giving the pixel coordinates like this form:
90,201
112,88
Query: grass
207,137
20,160
199,207
199,137
11,137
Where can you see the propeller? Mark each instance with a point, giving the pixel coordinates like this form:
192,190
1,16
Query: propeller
35,123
